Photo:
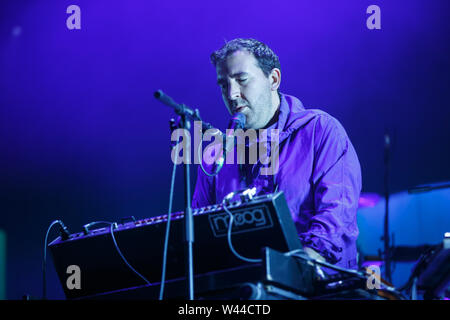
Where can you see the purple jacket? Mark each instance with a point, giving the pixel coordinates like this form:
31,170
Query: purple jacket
319,173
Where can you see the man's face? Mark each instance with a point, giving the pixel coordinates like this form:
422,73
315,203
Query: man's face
246,89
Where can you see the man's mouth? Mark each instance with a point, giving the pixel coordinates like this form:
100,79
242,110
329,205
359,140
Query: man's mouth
239,108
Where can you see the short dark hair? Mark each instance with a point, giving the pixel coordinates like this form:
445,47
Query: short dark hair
267,59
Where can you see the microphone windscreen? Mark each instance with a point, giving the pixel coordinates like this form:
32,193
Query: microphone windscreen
240,119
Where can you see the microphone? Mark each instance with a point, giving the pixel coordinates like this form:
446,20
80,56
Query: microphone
181,109
237,122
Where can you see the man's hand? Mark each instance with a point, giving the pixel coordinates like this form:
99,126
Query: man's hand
313,254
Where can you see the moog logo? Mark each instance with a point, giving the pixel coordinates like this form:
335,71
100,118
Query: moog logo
244,220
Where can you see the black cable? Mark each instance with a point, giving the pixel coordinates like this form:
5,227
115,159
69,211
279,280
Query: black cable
63,236
111,224
218,165
230,225
166,238
120,252
44,261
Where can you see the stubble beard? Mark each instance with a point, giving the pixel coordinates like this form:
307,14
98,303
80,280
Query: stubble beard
260,112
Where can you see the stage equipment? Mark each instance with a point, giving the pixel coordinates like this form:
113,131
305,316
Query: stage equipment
260,221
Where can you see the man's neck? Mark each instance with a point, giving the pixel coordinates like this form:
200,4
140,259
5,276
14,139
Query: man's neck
276,114
274,119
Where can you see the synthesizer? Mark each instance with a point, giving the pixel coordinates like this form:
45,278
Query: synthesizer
258,222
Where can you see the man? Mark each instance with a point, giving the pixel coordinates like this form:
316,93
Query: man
319,171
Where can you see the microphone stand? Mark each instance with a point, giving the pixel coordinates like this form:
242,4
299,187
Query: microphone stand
386,238
185,117
188,218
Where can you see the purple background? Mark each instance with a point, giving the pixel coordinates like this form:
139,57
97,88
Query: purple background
82,138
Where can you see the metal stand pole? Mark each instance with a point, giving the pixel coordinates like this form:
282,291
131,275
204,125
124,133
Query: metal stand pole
386,238
188,218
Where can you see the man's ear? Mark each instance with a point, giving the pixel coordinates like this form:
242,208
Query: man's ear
275,79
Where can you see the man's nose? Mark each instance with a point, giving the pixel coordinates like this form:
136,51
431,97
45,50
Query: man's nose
234,91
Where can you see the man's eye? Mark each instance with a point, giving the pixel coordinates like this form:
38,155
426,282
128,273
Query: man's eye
242,80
